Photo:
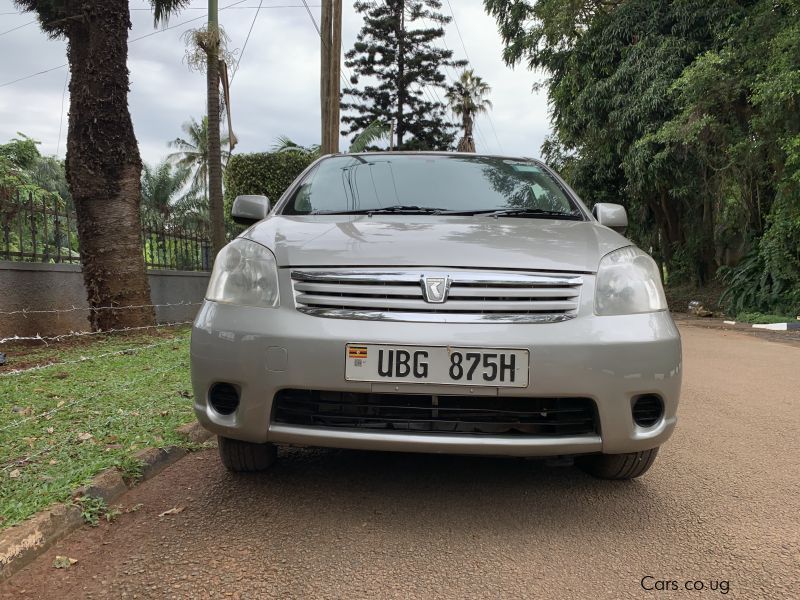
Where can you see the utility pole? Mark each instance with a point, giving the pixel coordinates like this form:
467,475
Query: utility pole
326,23
330,74
401,71
215,205
336,75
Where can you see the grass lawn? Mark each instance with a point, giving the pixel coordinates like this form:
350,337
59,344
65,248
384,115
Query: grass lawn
62,424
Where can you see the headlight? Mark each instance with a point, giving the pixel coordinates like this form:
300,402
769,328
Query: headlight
628,283
245,273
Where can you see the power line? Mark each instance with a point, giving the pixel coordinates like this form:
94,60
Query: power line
313,20
18,27
143,9
32,75
61,120
247,39
319,33
458,31
157,31
239,7
141,37
466,54
478,131
452,78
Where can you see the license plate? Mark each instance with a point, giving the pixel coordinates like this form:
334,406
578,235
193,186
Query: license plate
495,367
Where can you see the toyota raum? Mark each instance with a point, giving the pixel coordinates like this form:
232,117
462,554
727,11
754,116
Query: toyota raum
436,302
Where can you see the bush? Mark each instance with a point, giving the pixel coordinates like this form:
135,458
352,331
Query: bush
267,173
752,287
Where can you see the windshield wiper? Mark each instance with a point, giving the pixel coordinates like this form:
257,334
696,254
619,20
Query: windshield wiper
402,209
529,212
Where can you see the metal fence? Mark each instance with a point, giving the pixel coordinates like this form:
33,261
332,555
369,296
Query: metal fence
42,228
37,228
176,246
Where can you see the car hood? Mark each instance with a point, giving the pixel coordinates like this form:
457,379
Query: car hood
430,241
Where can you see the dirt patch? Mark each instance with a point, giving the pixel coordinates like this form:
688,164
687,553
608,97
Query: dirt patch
26,354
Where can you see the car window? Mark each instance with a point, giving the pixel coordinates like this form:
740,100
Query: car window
446,182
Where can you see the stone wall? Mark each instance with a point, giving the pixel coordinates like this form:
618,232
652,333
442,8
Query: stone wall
36,286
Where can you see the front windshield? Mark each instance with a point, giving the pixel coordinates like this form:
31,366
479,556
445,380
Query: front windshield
446,183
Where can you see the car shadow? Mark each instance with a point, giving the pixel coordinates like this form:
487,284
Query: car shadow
424,494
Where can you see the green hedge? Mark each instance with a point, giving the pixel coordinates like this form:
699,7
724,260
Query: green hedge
267,173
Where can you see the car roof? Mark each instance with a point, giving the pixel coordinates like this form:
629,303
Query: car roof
436,153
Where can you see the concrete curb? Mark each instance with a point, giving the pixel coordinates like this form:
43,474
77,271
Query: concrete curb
22,543
736,325
778,326
789,326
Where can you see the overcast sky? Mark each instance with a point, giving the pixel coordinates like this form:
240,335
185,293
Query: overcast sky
276,91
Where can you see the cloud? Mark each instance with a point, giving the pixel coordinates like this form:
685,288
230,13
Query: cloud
275,92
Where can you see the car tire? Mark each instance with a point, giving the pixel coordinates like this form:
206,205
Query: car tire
618,466
246,457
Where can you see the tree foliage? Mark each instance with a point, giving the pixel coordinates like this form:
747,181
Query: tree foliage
685,111
24,169
397,69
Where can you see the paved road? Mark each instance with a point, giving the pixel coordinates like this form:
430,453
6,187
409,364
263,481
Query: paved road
720,505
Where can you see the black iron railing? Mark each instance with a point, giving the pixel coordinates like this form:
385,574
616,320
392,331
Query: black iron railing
179,246
37,228
41,228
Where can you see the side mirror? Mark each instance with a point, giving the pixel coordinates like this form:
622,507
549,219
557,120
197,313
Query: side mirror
612,216
250,209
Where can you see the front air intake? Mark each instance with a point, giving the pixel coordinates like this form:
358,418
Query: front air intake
424,413
647,410
224,398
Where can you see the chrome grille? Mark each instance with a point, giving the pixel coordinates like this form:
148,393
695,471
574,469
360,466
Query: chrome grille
473,296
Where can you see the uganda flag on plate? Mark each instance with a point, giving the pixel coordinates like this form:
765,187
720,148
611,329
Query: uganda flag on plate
357,352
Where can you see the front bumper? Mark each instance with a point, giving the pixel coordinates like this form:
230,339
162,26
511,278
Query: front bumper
609,359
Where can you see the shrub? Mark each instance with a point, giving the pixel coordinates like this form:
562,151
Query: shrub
267,173
752,287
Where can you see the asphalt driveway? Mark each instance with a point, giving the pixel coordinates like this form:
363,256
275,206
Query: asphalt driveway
718,513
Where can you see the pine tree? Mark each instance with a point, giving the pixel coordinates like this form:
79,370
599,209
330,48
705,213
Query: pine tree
396,59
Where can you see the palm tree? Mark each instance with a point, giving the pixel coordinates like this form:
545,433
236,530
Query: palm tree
375,131
467,99
103,162
165,200
162,187
192,154
283,143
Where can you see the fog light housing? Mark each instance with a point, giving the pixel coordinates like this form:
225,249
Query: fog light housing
647,410
224,398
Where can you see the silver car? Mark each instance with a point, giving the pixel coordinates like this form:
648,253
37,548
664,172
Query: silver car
436,302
